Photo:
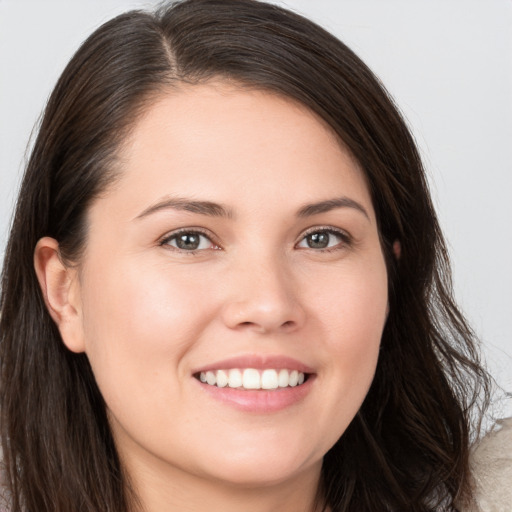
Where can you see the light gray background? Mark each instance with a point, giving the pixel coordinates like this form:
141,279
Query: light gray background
448,63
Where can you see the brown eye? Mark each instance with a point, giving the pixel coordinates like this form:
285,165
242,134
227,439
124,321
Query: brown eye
189,241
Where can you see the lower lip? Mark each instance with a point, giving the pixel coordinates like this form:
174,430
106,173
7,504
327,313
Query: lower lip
260,400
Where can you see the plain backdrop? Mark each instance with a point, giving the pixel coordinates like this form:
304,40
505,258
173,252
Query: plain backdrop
448,64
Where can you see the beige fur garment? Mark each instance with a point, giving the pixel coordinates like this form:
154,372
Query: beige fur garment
491,463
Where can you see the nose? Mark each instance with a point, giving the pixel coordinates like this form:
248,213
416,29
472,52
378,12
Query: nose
263,298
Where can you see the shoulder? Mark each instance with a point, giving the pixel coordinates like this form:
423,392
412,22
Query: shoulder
491,465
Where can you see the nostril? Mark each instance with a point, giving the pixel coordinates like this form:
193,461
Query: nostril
286,325
262,316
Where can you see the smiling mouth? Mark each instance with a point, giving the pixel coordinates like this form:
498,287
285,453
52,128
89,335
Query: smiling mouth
253,379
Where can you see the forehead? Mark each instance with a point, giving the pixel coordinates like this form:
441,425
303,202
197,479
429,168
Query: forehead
214,107
234,142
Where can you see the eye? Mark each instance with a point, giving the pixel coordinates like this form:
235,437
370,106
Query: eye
189,241
324,239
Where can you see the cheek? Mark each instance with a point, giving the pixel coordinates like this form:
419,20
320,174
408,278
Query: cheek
136,321
352,314
353,305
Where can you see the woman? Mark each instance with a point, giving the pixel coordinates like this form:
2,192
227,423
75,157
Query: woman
226,285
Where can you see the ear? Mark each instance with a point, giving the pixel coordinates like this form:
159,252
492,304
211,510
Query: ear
397,249
397,252
61,291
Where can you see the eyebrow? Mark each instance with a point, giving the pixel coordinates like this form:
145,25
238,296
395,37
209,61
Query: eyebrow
177,203
330,204
212,209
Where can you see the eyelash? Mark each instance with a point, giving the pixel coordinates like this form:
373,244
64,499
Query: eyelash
188,231
346,239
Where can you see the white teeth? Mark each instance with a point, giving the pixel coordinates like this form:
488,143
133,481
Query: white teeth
250,378
283,378
222,379
269,379
235,378
211,379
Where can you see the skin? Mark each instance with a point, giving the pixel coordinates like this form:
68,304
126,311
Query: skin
148,313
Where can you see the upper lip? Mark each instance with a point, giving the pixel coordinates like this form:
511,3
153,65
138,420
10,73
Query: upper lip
258,362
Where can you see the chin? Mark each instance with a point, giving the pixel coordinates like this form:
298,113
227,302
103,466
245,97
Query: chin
262,468
259,476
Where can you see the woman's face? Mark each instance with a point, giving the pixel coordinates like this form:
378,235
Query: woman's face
239,241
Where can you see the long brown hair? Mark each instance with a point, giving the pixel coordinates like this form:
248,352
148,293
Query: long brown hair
407,448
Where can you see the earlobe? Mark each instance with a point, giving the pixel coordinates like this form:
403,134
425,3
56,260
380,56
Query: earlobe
59,285
397,249
397,252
